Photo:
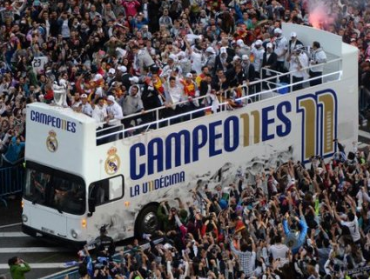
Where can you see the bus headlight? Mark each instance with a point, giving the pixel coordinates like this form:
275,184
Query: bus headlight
24,218
74,234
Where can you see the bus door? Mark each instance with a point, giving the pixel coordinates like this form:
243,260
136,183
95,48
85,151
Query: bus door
106,205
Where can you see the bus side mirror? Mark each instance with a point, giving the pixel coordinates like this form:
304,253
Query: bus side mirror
91,206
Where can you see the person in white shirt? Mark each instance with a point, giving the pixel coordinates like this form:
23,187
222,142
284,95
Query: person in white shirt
281,48
318,56
171,66
298,63
99,112
114,111
85,106
279,251
257,52
100,115
195,57
352,222
175,94
115,115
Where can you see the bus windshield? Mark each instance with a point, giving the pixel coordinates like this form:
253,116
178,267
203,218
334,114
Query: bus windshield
54,189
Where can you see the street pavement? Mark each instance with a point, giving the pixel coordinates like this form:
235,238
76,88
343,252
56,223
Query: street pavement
45,258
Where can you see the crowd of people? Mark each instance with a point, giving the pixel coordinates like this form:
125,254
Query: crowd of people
288,222
127,57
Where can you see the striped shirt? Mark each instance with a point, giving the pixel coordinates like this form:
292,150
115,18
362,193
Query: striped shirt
247,260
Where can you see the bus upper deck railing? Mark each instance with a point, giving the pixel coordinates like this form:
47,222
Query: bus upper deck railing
273,84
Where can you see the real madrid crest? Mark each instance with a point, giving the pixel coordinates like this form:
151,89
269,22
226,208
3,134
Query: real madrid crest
52,141
113,162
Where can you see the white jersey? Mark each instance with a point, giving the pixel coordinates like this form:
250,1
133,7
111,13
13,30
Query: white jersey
100,113
87,109
115,110
257,57
297,64
318,56
38,64
196,62
353,229
281,47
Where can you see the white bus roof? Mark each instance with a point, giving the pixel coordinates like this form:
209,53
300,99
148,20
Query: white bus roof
66,112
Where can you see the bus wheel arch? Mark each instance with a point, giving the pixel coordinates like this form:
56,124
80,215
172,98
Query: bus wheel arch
147,221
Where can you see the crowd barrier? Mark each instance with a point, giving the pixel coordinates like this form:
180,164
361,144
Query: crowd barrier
11,182
72,272
363,106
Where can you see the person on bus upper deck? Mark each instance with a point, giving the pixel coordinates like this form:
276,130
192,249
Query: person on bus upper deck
248,68
293,42
256,56
175,94
99,112
318,56
114,111
270,62
85,106
97,82
298,63
133,104
104,244
281,48
223,61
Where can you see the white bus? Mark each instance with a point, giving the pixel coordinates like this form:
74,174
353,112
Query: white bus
74,186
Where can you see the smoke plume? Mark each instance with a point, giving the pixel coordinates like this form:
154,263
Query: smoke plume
320,15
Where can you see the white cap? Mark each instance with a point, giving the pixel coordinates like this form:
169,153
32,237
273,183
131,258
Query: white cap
258,43
112,71
189,75
210,50
278,31
236,58
111,98
293,34
122,69
240,43
269,45
83,95
245,57
97,77
172,56
134,79
223,50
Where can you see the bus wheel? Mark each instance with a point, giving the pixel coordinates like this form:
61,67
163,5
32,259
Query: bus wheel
147,221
